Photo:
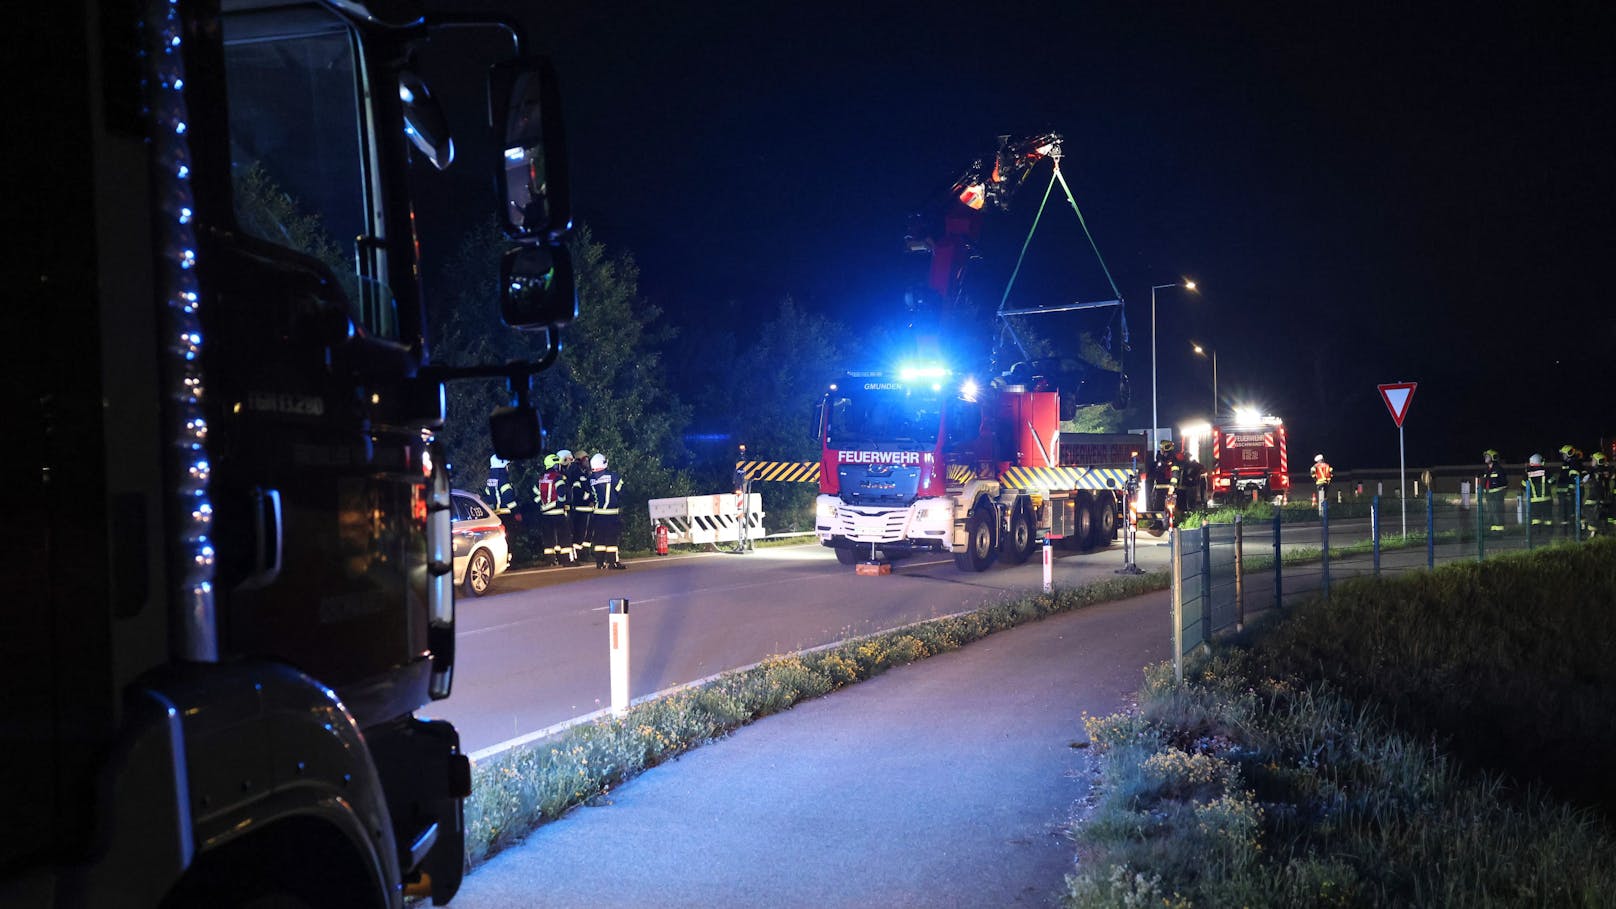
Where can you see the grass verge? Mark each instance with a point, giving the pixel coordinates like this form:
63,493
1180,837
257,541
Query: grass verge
1423,741
516,791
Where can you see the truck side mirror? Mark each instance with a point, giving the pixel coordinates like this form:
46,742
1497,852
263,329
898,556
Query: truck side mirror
524,108
515,432
424,122
537,289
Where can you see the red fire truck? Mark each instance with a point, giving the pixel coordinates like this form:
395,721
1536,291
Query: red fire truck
1244,455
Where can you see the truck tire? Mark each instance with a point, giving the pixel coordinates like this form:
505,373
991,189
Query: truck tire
847,555
1105,520
979,550
1019,542
1084,531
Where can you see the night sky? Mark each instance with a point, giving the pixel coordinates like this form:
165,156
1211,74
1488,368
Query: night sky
1365,195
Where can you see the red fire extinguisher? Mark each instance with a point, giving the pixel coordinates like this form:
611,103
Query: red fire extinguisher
661,534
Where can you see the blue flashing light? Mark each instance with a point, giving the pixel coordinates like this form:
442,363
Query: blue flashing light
929,371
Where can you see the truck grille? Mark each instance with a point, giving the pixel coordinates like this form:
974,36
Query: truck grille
870,526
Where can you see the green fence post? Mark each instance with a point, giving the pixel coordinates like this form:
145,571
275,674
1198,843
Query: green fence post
1374,531
1481,530
1526,493
1430,528
1279,566
1206,583
1324,540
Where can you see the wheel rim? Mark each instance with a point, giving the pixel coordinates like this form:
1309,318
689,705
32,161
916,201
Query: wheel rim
481,572
1022,535
983,541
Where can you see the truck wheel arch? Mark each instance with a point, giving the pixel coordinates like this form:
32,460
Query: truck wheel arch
300,860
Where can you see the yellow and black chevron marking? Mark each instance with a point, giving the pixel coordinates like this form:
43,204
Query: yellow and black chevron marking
780,471
960,474
1066,477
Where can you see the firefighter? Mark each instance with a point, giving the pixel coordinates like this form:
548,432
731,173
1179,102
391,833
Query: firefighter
1322,474
498,490
1596,494
605,526
579,505
1166,474
1493,484
555,531
1566,486
1535,486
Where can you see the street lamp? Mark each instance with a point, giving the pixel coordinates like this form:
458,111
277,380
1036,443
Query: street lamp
1214,355
1154,421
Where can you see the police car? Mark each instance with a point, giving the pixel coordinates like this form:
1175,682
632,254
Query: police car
480,551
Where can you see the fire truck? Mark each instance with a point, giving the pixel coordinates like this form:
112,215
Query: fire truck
1245,455
236,590
919,460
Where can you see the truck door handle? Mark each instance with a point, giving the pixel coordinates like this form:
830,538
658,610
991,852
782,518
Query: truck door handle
267,525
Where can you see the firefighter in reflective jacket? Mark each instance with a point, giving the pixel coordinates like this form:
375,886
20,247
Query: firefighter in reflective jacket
555,531
1596,495
1322,474
575,474
1535,486
605,527
1493,484
498,490
1565,485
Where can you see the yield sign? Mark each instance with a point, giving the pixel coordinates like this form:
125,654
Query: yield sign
1397,397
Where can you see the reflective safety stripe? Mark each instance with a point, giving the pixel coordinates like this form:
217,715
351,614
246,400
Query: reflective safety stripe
1067,477
780,471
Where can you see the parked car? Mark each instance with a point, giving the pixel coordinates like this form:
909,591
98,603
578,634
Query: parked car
480,551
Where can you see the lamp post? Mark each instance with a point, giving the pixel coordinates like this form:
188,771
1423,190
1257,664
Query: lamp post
1214,355
1154,420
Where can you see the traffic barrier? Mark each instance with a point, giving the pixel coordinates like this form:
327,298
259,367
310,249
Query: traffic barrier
695,520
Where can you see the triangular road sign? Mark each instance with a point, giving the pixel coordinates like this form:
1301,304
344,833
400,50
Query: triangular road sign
1397,396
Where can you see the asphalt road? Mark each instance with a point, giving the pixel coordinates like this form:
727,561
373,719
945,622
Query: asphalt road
534,653
946,783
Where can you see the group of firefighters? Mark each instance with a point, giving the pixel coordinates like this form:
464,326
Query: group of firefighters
1554,495
577,504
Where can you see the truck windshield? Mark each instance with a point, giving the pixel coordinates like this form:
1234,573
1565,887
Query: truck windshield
296,163
885,416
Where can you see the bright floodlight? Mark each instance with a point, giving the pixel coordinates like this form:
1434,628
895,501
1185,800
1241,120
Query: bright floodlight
968,390
1189,285
1198,348
1247,415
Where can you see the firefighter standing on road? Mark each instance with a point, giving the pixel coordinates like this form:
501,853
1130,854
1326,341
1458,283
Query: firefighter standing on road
1535,486
1322,474
579,506
605,527
1493,485
498,490
550,495
1566,488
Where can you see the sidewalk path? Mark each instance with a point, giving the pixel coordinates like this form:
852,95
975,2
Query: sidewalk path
946,783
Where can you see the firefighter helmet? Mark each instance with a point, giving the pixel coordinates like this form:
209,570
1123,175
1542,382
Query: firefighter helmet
565,456
598,462
1535,460
494,461
1598,457
551,461
1490,454
1318,459
1570,451
1166,444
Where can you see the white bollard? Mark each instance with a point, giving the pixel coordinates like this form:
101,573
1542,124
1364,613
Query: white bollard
1464,495
1049,567
617,622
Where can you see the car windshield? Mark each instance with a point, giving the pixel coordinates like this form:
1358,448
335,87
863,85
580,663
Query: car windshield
885,414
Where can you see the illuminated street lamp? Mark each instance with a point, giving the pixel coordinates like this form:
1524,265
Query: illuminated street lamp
1154,420
1202,351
